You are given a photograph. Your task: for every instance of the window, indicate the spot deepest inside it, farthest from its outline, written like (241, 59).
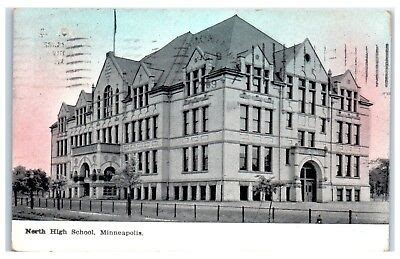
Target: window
(300, 137)
(257, 79)
(133, 132)
(140, 161)
(339, 165)
(203, 79)
(348, 133)
(323, 125)
(340, 132)
(244, 115)
(248, 77)
(302, 90)
(268, 159)
(109, 135)
(117, 101)
(348, 166)
(126, 158)
(147, 121)
(266, 81)
(185, 122)
(357, 135)
(289, 119)
(140, 135)
(98, 107)
(127, 132)
(287, 156)
(205, 119)
(356, 166)
(109, 190)
(135, 98)
(311, 139)
(339, 194)
(185, 159)
(104, 136)
(107, 112)
(243, 157)
(348, 194)
(312, 93)
(355, 100)
(154, 161)
(342, 99)
(205, 157)
(195, 120)
(90, 136)
(289, 87)
(196, 83)
(323, 94)
(268, 121)
(116, 135)
(256, 119)
(140, 96)
(255, 158)
(147, 161)
(146, 95)
(356, 195)
(348, 100)
(187, 84)
(195, 154)
(155, 126)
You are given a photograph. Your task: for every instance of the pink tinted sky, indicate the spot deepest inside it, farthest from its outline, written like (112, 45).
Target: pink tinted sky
(40, 84)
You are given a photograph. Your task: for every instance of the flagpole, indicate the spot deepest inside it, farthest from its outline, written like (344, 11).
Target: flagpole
(115, 29)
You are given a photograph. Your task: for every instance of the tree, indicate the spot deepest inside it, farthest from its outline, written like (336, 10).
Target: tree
(267, 187)
(18, 183)
(127, 177)
(379, 177)
(57, 185)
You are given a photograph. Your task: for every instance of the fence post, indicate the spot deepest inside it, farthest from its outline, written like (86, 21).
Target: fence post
(27, 201)
(101, 206)
(175, 210)
(350, 216)
(112, 207)
(218, 213)
(22, 200)
(46, 202)
(54, 203)
(309, 215)
(90, 205)
(141, 208)
(195, 212)
(273, 214)
(80, 205)
(39, 202)
(157, 210)
(70, 204)
(242, 214)
(62, 203)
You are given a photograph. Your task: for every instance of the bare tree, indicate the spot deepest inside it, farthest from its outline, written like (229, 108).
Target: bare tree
(267, 187)
(127, 177)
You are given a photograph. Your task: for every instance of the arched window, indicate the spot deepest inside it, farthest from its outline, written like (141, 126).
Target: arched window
(116, 101)
(98, 107)
(108, 101)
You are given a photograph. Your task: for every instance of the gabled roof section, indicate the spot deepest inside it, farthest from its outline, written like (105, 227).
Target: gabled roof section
(128, 67)
(68, 109)
(341, 77)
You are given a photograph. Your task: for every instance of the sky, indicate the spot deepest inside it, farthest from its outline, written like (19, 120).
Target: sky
(45, 74)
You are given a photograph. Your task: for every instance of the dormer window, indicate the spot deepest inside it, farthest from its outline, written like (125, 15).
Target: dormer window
(62, 124)
(196, 81)
(107, 101)
(116, 101)
(98, 107)
(80, 116)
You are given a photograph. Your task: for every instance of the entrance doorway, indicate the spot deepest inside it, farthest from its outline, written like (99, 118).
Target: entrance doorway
(86, 189)
(308, 178)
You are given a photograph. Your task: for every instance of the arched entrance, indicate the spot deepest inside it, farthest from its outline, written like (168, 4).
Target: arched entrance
(84, 172)
(108, 173)
(308, 178)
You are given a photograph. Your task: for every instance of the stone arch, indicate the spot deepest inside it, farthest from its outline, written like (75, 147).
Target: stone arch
(317, 164)
(84, 170)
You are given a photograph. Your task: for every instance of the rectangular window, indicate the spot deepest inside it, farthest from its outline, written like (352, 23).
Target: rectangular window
(147, 120)
(300, 138)
(340, 132)
(289, 87)
(268, 159)
(147, 161)
(186, 123)
(356, 166)
(357, 195)
(348, 166)
(195, 154)
(257, 79)
(323, 125)
(339, 165)
(311, 139)
(188, 84)
(323, 94)
(357, 135)
(205, 157)
(203, 79)
(116, 135)
(266, 81)
(196, 84)
(256, 119)
(205, 119)
(127, 132)
(355, 100)
(243, 157)
(348, 133)
(116, 102)
(185, 159)
(195, 120)
(135, 98)
(140, 135)
(289, 119)
(109, 135)
(155, 126)
(287, 156)
(268, 121)
(133, 131)
(90, 136)
(312, 93)
(342, 99)
(104, 136)
(255, 158)
(140, 161)
(154, 161)
(302, 90)
(339, 194)
(348, 100)
(146, 95)
(248, 77)
(244, 116)
(348, 194)
(140, 94)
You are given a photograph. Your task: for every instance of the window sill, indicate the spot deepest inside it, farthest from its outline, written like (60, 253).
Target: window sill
(253, 172)
(347, 177)
(195, 172)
